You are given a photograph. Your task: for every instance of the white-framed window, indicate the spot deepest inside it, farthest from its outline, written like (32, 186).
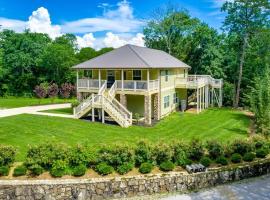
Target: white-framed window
(166, 101)
(175, 98)
(137, 75)
(166, 75)
(88, 73)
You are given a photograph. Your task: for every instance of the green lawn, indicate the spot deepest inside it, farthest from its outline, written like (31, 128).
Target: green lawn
(13, 102)
(221, 124)
(66, 111)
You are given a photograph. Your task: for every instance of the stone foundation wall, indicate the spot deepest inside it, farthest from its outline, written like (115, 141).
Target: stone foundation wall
(126, 186)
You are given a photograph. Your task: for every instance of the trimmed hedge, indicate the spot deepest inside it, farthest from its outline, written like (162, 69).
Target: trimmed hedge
(167, 166)
(236, 158)
(60, 159)
(20, 171)
(104, 169)
(146, 168)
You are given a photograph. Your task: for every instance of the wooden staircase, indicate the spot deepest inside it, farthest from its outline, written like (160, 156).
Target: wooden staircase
(105, 100)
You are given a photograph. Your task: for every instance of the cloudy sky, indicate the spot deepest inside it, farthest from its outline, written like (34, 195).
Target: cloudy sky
(97, 23)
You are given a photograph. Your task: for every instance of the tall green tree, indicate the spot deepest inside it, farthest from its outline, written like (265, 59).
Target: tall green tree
(21, 56)
(244, 19)
(58, 58)
(86, 54)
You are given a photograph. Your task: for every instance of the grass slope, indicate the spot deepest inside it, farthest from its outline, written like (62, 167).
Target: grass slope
(14, 102)
(221, 124)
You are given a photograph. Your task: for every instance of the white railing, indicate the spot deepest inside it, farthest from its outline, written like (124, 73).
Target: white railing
(137, 85)
(103, 88)
(89, 83)
(112, 90)
(198, 81)
(87, 102)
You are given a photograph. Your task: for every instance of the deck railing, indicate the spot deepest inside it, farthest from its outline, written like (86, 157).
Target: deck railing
(198, 81)
(129, 85)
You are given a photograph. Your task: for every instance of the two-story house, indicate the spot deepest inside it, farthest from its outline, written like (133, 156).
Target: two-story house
(138, 81)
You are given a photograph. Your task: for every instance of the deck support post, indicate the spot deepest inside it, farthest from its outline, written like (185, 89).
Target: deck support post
(147, 110)
(220, 97)
(200, 99)
(123, 100)
(203, 89)
(212, 97)
(197, 90)
(93, 114)
(103, 116)
(99, 78)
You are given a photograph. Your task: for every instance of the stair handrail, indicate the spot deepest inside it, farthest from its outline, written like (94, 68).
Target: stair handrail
(83, 104)
(112, 90)
(122, 110)
(103, 88)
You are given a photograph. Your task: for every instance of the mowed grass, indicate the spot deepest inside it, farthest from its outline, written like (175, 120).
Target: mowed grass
(66, 111)
(23, 130)
(13, 102)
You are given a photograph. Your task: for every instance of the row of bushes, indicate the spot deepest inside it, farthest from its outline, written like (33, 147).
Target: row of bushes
(60, 159)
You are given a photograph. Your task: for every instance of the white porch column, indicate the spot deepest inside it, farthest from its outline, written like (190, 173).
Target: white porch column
(99, 78)
(122, 79)
(148, 78)
(77, 79)
(103, 115)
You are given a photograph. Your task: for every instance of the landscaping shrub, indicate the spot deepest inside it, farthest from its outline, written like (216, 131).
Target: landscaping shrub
(205, 161)
(125, 168)
(259, 144)
(196, 150)
(36, 169)
(75, 103)
(236, 158)
(116, 155)
(241, 147)
(162, 152)
(7, 155)
(146, 168)
(104, 169)
(45, 154)
(59, 168)
(4, 170)
(167, 166)
(261, 153)
(215, 149)
(222, 160)
(79, 170)
(248, 157)
(82, 155)
(180, 156)
(20, 171)
(228, 151)
(143, 153)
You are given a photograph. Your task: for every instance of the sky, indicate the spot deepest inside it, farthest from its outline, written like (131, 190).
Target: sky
(97, 23)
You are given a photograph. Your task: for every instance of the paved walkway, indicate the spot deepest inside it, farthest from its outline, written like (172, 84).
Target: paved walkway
(35, 110)
(250, 189)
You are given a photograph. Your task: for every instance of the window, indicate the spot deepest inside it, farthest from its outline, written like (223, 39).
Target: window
(137, 75)
(166, 101)
(175, 98)
(87, 73)
(166, 75)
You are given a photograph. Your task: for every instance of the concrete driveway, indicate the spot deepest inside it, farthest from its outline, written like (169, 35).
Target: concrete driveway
(35, 110)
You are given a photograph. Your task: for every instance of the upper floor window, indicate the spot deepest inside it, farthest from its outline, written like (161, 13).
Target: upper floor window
(166, 101)
(166, 75)
(137, 75)
(88, 73)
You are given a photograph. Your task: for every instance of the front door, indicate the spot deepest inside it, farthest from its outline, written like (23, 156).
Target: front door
(110, 78)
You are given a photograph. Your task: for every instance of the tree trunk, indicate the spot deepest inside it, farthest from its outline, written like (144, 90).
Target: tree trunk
(242, 60)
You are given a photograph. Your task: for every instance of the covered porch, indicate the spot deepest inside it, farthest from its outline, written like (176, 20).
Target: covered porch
(124, 80)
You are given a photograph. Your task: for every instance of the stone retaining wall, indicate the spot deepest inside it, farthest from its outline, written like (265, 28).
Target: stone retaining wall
(101, 188)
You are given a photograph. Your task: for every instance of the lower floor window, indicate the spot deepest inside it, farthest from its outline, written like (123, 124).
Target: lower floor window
(175, 98)
(166, 101)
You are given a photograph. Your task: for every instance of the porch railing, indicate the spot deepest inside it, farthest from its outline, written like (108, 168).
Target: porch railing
(129, 85)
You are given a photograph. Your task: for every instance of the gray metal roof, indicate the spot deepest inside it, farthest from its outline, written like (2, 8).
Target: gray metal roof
(131, 56)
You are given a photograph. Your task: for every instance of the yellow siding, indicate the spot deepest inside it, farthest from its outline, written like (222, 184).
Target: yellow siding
(135, 104)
